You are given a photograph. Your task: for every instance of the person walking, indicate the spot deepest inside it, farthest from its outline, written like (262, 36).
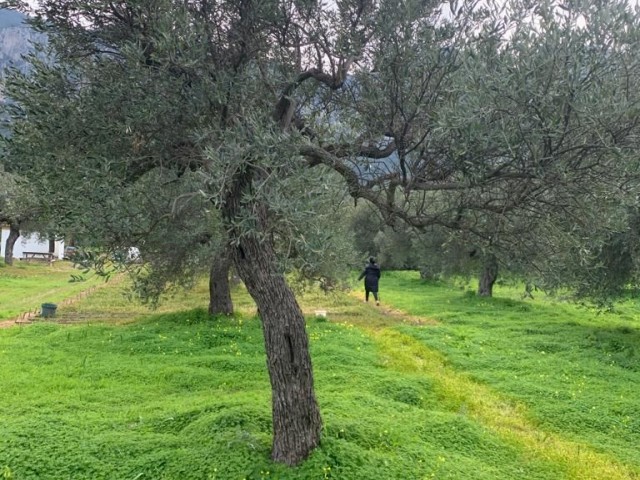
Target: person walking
(371, 275)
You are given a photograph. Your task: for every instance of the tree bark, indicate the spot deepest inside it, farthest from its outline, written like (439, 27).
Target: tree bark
(488, 276)
(14, 234)
(220, 302)
(296, 416)
(295, 413)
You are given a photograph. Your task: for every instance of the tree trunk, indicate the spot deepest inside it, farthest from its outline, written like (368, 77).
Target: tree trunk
(220, 302)
(14, 234)
(296, 416)
(488, 276)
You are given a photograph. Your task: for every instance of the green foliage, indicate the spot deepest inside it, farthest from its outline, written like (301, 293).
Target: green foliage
(365, 222)
(317, 245)
(17, 201)
(153, 174)
(393, 249)
(509, 125)
(603, 266)
(529, 107)
(6, 473)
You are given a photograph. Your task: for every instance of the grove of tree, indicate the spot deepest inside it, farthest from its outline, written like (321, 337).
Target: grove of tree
(512, 125)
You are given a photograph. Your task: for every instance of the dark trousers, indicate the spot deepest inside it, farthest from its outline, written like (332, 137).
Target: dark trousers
(367, 291)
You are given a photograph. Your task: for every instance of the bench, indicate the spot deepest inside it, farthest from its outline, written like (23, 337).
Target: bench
(46, 256)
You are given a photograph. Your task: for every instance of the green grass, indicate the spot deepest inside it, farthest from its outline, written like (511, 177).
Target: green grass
(180, 396)
(575, 370)
(25, 286)
(124, 393)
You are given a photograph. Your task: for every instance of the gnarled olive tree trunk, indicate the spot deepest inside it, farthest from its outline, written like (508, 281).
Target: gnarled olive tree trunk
(220, 302)
(296, 416)
(14, 234)
(488, 276)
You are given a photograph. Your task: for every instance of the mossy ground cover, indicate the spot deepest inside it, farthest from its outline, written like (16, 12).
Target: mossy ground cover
(128, 394)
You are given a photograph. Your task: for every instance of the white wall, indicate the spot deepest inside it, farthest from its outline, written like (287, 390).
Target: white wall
(29, 244)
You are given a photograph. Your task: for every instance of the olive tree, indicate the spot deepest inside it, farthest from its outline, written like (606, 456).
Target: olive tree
(88, 125)
(8, 213)
(513, 138)
(18, 209)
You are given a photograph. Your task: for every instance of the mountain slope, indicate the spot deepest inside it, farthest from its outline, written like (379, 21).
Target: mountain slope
(10, 18)
(16, 40)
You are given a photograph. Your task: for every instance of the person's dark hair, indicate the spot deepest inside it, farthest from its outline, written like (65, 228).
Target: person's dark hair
(372, 260)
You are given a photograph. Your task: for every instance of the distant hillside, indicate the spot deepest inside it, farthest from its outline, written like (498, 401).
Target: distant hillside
(10, 18)
(15, 40)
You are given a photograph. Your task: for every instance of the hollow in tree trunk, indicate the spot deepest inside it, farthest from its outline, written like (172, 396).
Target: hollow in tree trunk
(488, 276)
(220, 302)
(296, 416)
(14, 234)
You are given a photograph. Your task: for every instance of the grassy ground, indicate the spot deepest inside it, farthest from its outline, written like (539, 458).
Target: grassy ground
(570, 372)
(457, 389)
(25, 286)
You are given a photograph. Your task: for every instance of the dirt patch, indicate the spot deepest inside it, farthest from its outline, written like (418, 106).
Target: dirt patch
(403, 317)
(368, 315)
(13, 323)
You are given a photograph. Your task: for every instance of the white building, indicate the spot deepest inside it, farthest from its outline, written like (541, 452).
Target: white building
(30, 243)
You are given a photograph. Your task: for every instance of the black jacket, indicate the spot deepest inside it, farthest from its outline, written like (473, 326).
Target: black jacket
(371, 274)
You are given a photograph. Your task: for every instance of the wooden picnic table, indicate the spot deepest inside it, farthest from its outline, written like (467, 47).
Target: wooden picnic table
(28, 256)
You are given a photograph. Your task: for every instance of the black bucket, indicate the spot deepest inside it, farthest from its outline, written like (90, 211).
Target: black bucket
(48, 310)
